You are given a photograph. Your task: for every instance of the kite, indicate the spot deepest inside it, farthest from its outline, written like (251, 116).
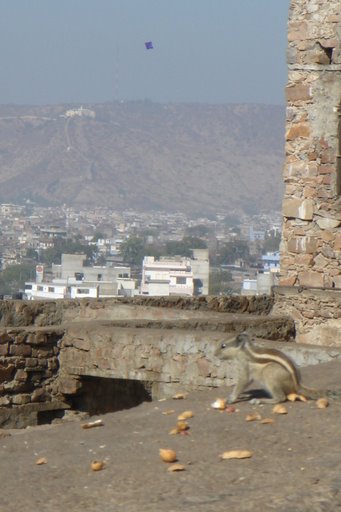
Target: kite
(149, 45)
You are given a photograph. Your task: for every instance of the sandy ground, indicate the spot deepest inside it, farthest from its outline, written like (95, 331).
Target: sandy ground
(295, 464)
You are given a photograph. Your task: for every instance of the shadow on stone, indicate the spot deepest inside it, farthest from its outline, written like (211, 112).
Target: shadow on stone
(98, 395)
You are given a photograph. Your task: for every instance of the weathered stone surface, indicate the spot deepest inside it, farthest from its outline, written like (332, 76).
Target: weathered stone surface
(20, 350)
(327, 223)
(305, 245)
(298, 130)
(312, 146)
(7, 372)
(311, 279)
(337, 281)
(21, 375)
(69, 385)
(21, 399)
(298, 92)
(306, 260)
(337, 242)
(38, 395)
(288, 281)
(298, 208)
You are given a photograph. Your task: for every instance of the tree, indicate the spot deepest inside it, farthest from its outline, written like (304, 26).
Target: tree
(98, 235)
(200, 230)
(220, 282)
(62, 246)
(13, 278)
(133, 251)
(184, 247)
(232, 251)
(271, 242)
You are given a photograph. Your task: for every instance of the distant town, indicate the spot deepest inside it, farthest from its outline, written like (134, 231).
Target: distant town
(64, 252)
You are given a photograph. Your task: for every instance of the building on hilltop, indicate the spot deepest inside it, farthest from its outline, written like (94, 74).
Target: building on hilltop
(80, 112)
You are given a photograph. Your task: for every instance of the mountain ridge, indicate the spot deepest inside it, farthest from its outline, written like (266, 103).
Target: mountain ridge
(193, 158)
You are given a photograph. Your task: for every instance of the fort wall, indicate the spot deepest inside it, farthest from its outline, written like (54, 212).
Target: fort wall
(104, 355)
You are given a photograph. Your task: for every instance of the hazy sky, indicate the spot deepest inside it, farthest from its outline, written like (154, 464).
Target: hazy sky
(88, 51)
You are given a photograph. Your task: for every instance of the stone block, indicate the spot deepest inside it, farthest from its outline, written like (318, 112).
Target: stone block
(297, 31)
(301, 169)
(4, 349)
(4, 338)
(337, 242)
(298, 131)
(321, 261)
(288, 281)
(328, 236)
(298, 92)
(69, 386)
(21, 399)
(5, 400)
(327, 179)
(7, 373)
(20, 350)
(304, 244)
(327, 223)
(305, 260)
(326, 169)
(311, 279)
(328, 156)
(31, 362)
(82, 344)
(21, 375)
(328, 252)
(298, 208)
(337, 281)
(38, 395)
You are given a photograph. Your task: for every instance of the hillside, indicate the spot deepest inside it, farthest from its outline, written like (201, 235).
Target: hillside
(176, 157)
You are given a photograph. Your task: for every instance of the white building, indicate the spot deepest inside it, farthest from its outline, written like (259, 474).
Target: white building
(266, 278)
(72, 279)
(164, 277)
(201, 270)
(176, 275)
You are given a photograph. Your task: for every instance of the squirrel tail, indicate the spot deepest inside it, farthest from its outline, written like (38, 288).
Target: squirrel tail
(315, 394)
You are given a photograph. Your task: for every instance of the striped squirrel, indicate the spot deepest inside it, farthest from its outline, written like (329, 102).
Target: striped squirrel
(274, 370)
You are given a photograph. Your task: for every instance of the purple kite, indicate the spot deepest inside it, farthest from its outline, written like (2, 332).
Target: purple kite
(149, 45)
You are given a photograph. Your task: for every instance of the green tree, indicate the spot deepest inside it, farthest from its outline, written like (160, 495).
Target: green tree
(133, 251)
(98, 235)
(271, 242)
(220, 282)
(232, 251)
(13, 278)
(68, 246)
(184, 246)
(32, 254)
(200, 230)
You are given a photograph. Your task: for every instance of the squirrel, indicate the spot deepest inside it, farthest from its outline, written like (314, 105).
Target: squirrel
(273, 369)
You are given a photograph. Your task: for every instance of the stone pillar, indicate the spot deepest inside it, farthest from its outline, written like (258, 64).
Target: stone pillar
(311, 235)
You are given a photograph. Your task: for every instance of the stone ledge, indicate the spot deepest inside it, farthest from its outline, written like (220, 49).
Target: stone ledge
(24, 415)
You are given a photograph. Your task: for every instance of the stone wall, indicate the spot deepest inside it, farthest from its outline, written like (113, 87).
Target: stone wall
(311, 238)
(29, 366)
(50, 349)
(316, 313)
(100, 355)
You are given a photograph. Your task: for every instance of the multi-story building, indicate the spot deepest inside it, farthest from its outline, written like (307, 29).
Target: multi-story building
(176, 275)
(172, 276)
(73, 279)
